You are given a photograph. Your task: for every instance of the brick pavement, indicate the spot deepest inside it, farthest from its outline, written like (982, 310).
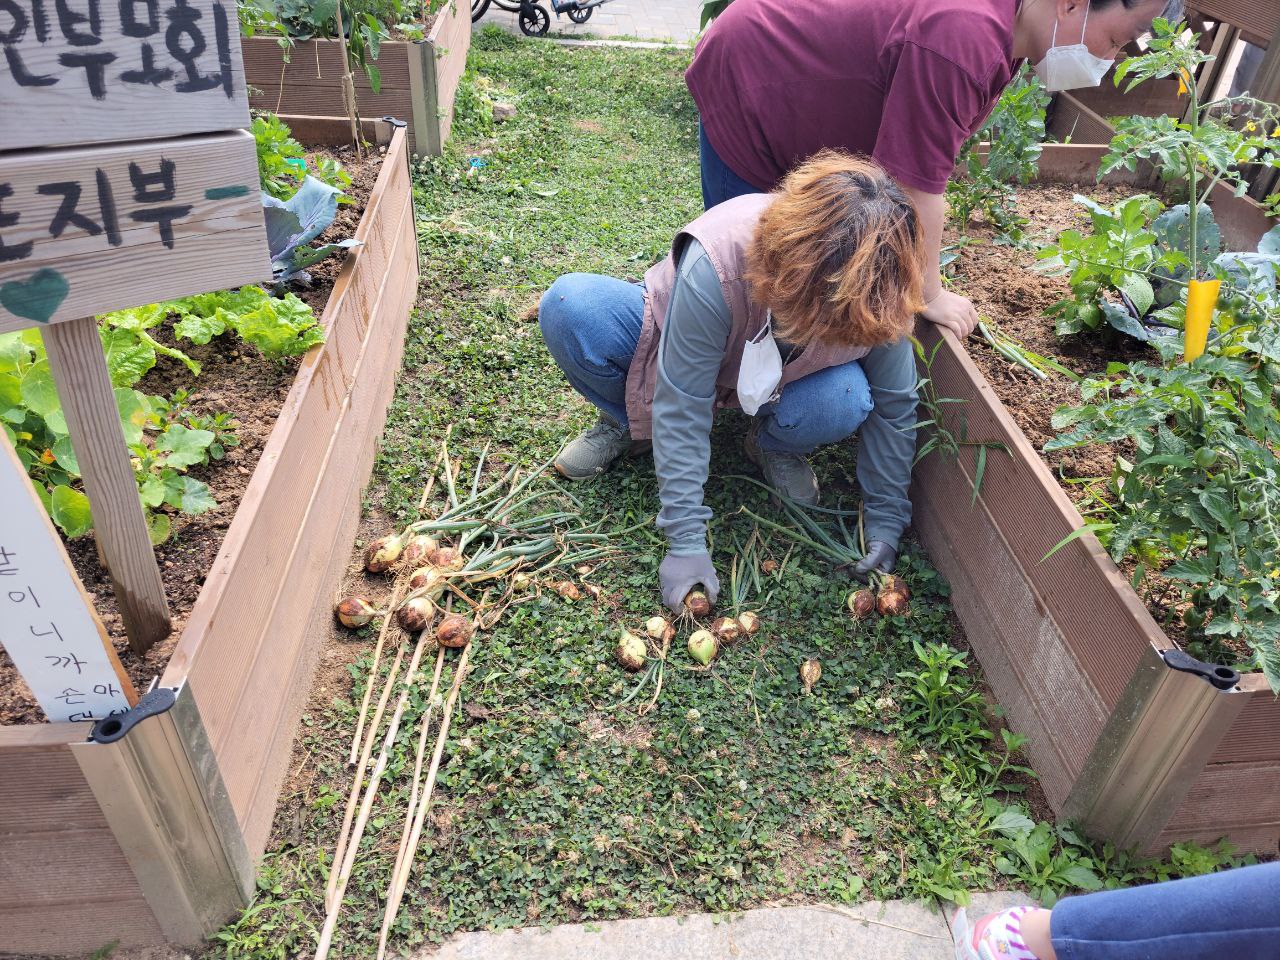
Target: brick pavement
(673, 20)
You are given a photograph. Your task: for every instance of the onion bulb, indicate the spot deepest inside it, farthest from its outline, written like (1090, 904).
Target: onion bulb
(727, 631)
(381, 555)
(810, 671)
(354, 612)
(415, 615)
(657, 627)
(697, 603)
(749, 622)
(893, 599)
(769, 567)
(861, 603)
(446, 557)
(454, 631)
(429, 581)
(703, 646)
(630, 652)
(418, 551)
(567, 589)
(521, 581)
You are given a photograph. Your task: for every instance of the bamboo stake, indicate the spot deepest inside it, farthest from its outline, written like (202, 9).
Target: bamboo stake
(424, 726)
(348, 85)
(400, 878)
(373, 671)
(371, 791)
(357, 778)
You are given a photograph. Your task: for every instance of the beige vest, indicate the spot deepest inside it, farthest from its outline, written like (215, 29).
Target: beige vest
(725, 232)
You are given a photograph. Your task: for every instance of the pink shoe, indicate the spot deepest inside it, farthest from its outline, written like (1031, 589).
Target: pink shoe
(994, 937)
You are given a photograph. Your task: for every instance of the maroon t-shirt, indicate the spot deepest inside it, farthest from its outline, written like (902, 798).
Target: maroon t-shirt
(904, 81)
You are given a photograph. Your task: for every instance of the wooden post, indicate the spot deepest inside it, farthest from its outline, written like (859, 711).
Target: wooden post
(89, 404)
(1266, 86)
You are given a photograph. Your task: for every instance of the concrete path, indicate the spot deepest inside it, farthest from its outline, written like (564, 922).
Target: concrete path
(673, 20)
(898, 930)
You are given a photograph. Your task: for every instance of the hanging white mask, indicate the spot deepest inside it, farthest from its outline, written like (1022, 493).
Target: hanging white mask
(1071, 66)
(761, 369)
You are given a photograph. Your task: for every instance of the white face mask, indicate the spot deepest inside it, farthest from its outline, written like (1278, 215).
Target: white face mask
(1071, 66)
(760, 371)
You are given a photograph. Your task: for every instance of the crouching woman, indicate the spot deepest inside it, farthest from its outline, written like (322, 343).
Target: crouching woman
(793, 305)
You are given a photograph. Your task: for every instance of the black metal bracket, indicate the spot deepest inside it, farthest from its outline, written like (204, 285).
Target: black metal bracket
(395, 123)
(152, 703)
(1224, 678)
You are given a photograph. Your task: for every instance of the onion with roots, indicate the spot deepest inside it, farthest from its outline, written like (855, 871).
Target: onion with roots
(727, 631)
(447, 557)
(894, 598)
(354, 612)
(415, 615)
(810, 672)
(703, 646)
(567, 589)
(521, 581)
(454, 631)
(631, 651)
(417, 551)
(659, 629)
(381, 555)
(429, 581)
(749, 622)
(697, 604)
(861, 603)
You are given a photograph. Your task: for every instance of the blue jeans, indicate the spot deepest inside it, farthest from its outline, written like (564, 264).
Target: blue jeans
(719, 183)
(1233, 915)
(591, 325)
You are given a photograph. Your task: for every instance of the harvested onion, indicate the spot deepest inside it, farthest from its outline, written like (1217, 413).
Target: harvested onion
(417, 551)
(769, 567)
(454, 631)
(727, 631)
(749, 622)
(810, 671)
(567, 589)
(415, 615)
(703, 646)
(630, 652)
(893, 599)
(429, 581)
(381, 555)
(697, 603)
(861, 603)
(658, 627)
(446, 557)
(354, 612)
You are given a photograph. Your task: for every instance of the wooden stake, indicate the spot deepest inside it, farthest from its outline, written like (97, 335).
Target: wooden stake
(348, 85)
(424, 726)
(89, 405)
(334, 908)
(357, 778)
(400, 877)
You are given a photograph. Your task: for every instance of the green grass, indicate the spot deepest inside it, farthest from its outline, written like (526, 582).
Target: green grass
(558, 802)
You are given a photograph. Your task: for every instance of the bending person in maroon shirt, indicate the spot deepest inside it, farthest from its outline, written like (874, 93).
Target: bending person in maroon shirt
(903, 81)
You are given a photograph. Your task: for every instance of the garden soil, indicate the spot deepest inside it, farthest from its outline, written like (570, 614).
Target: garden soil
(234, 379)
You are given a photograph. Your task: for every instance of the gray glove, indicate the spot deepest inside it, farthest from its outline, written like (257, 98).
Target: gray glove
(880, 556)
(679, 574)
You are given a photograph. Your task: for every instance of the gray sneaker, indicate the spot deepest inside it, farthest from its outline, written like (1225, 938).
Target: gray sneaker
(598, 449)
(788, 473)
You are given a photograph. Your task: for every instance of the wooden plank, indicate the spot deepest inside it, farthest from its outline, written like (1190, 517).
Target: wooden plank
(78, 929)
(449, 42)
(1255, 736)
(1258, 20)
(335, 131)
(107, 71)
(285, 527)
(48, 625)
(88, 403)
(307, 61)
(91, 230)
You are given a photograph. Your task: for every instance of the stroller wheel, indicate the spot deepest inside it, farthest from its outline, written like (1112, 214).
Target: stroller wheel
(579, 15)
(534, 19)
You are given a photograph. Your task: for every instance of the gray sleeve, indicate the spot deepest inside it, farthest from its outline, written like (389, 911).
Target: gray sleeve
(888, 446)
(690, 353)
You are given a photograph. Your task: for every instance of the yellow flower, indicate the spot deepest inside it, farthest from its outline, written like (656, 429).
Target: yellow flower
(1250, 126)
(47, 456)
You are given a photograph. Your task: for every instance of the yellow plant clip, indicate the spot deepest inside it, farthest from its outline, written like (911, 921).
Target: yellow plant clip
(1202, 300)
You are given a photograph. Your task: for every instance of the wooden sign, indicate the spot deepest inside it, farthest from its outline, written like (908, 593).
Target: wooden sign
(47, 624)
(90, 71)
(92, 230)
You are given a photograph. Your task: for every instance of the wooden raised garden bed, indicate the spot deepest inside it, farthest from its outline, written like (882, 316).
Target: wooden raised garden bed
(1136, 751)
(419, 78)
(154, 837)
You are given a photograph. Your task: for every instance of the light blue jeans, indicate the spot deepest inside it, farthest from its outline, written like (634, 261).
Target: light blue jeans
(1233, 915)
(591, 325)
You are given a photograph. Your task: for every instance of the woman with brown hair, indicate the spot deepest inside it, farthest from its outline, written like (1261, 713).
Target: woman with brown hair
(794, 306)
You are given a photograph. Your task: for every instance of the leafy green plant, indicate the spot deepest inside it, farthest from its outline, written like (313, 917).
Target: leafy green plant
(283, 164)
(712, 9)
(292, 224)
(278, 326)
(1198, 503)
(1014, 134)
(941, 702)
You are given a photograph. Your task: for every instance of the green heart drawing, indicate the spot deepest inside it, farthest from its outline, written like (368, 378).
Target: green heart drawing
(36, 298)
